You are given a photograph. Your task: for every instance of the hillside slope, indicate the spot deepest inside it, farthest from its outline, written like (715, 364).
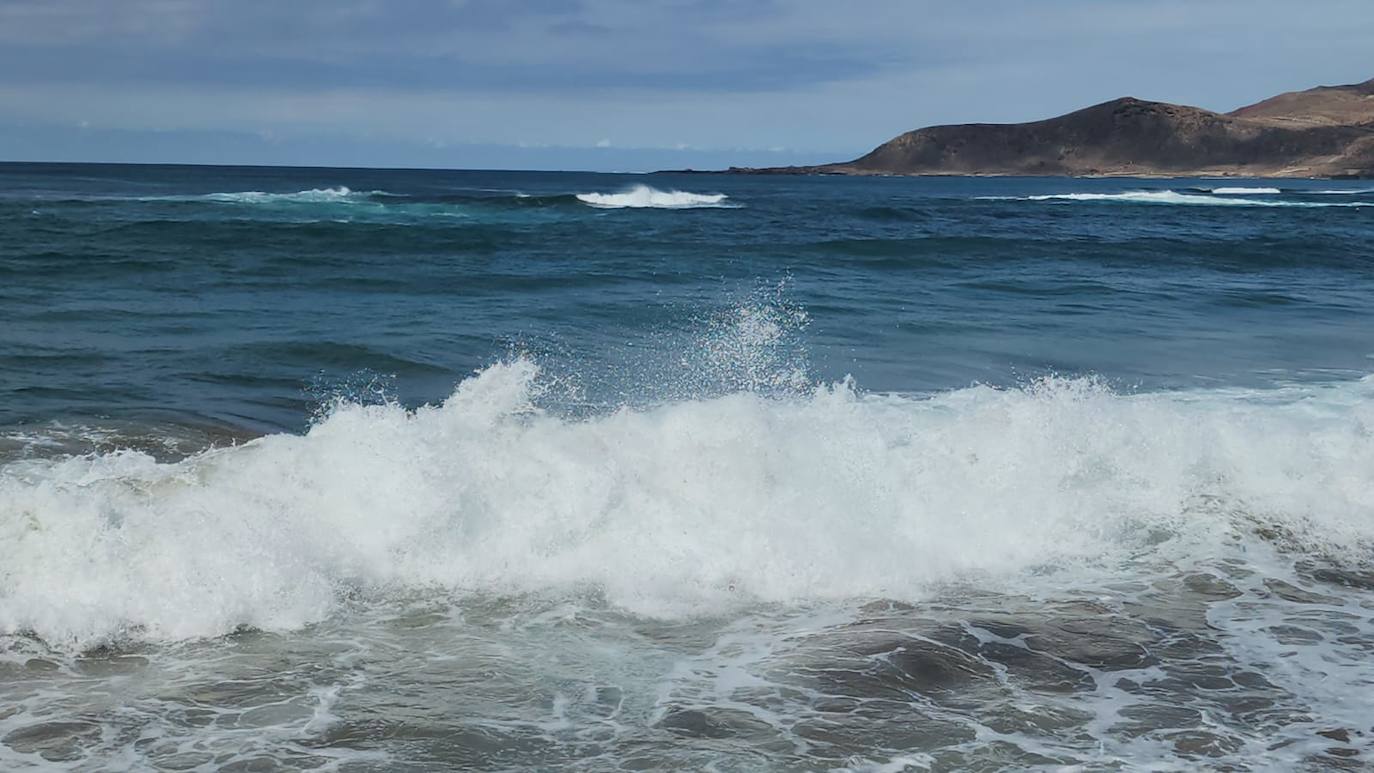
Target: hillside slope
(1321, 132)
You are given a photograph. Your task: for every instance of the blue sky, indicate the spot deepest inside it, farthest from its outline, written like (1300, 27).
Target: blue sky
(619, 84)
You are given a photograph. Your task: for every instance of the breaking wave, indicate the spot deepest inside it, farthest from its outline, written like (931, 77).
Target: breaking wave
(688, 506)
(643, 196)
(1229, 199)
(1241, 191)
(639, 196)
(313, 196)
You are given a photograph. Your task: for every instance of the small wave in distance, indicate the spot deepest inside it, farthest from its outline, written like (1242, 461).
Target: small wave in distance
(1233, 191)
(645, 197)
(311, 196)
(1175, 197)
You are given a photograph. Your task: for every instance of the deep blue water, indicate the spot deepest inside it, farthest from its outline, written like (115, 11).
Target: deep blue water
(131, 292)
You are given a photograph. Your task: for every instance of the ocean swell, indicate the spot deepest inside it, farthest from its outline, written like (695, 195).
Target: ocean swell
(682, 508)
(1238, 190)
(313, 196)
(1228, 198)
(643, 196)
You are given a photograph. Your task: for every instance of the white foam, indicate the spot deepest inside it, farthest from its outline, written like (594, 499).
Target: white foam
(312, 196)
(1149, 197)
(642, 196)
(1174, 197)
(676, 509)
(1243, 191)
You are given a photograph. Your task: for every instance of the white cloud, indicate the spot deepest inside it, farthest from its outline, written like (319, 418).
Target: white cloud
(808, 76)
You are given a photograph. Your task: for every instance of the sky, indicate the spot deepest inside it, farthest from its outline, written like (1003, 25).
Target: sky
(619, 85)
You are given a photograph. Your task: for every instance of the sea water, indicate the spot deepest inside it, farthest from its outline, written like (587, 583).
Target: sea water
(338, 469)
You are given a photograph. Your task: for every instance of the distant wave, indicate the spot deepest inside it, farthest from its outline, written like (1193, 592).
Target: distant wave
(341, 204)
(1152, 197)
(1174, 197)
(1339, 192)
(1241, 191)
(642, 196)
(312, 196)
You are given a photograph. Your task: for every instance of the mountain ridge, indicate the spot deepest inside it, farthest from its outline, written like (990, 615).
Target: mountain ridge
(1327, 131)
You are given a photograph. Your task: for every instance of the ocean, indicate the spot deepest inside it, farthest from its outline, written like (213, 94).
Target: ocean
(399, 470)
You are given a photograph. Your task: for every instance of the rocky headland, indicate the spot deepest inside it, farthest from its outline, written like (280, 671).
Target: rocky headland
(1326, 131)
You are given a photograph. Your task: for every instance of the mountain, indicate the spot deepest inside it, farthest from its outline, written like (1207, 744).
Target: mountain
(1326, 131)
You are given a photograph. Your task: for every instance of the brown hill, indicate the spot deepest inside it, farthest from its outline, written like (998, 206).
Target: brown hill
(1322, 106)
(1323, 132)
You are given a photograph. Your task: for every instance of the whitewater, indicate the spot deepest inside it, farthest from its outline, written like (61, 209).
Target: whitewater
(406, 470)
(686, 508)
(1225, 197)
(799, 511)
(644, 196)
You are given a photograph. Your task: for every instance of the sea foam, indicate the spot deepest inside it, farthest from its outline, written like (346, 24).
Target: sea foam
(1229, 199)
(643, 196)
(686, 507)
(312, 196)
(1228, 191)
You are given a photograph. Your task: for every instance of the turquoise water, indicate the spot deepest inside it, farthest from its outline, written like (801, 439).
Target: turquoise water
(389, 470)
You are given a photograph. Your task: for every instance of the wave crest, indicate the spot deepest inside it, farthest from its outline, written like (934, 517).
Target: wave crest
(643, 196)
(674, 509)
(1235, 190)
(1174, 197)
(312, 196)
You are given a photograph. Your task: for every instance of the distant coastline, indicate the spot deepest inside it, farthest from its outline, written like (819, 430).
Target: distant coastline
(1323, 132)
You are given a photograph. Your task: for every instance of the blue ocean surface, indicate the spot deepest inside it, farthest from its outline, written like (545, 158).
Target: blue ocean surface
(347, 469)
(226, 295)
